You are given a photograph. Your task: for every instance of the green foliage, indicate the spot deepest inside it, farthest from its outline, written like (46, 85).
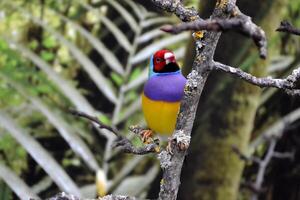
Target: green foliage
(104, 119)
(5, 192)
(118, 80)
(47, 56)
(49, 42)
(135, 74)
(12, 154)
(56, 55)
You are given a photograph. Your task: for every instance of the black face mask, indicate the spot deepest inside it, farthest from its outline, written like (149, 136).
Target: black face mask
(171, 67)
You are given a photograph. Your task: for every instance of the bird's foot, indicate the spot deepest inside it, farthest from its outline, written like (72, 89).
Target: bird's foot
(169, 146)
(146, 136)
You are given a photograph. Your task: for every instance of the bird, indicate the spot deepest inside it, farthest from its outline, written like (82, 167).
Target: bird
(162, 94)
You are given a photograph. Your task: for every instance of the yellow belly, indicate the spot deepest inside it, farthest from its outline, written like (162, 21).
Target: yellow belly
(160, 115)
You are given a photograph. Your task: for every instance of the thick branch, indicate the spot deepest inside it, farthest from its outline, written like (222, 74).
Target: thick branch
(288, 84)
(240, 23)
(126, 146)
(287, 27)
(176, 7)
(172, 163)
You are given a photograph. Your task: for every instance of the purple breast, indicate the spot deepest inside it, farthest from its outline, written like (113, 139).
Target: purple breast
(165, 88)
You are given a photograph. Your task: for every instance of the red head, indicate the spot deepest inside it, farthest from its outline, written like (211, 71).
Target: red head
(164, 61)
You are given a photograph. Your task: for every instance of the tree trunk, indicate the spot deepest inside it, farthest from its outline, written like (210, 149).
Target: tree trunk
(226, 114)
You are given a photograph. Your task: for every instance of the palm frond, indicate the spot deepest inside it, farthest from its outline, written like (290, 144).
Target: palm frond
(40, 155)
(66, 131)
(22, 190)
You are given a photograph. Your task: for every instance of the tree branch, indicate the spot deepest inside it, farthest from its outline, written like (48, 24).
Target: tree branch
(176, 7)
(125, 146)
(288, 84)
(64, 196)
(172, 163)
(287, 27)
(244, 157)
(122, 142)
(240, 23)
(95, 120)
(277, 129)
(257, 186)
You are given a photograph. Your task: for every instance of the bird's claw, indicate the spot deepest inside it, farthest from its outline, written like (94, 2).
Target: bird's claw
(169, 146)
(146, 136)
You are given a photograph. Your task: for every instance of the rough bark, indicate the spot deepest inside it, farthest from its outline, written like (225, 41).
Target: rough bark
(196, 81)
(225, 118)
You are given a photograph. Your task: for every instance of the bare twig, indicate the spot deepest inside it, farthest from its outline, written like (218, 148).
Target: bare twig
(122, 142)
(95, 120)
(250, 186)
(287, 27)
(244, 157)
(240, 23)
(257, 186)
(284, 155)
(277, 129)
(288, 84)
(262, 168)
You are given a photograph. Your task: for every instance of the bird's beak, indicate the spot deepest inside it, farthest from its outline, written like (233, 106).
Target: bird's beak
(169, 58)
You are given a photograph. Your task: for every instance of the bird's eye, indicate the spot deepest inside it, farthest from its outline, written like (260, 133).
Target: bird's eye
(158, 60)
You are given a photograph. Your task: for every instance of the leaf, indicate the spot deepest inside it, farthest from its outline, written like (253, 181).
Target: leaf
(20, 188)
(132, 108)
(157, 20)
(138, 9)
(40, 155)
(135, 185)
(66, 88)
(125, 14)
(127, 169)
(86, 63)
(33, 44)
(49, 42)
(5, 192)
(135, 74)
(138, 81)
(15, 156)
(147, 51)
(150, 35)
(88, 191)
(119, 35)
(116, 78)
(110, 59)
(280, 64)
(47, 56)
(131, 96)
(104, 119)
(66, 131)
(42, 185)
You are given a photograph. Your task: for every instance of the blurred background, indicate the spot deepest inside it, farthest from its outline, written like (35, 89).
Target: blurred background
(92, 55)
